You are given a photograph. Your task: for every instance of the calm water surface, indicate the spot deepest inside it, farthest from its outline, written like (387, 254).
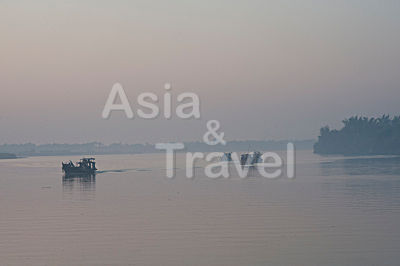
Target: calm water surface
(337, 211)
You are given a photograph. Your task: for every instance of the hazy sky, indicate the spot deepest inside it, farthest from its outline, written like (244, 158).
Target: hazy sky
(265, 69)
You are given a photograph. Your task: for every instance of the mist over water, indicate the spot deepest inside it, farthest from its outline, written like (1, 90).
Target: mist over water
(291, 68)
(337, 211)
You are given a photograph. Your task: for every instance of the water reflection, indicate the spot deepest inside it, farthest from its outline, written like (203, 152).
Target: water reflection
(362, 166)
(364, 182)
(79, 186)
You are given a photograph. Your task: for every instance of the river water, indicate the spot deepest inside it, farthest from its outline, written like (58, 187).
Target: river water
(336, 211)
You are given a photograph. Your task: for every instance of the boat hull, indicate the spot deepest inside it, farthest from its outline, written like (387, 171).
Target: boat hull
(79, 171)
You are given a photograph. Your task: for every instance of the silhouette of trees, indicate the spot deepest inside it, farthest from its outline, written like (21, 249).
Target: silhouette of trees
(361, 136)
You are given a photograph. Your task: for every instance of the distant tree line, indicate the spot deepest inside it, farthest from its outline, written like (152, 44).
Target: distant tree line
(361, 136)
(94, 148)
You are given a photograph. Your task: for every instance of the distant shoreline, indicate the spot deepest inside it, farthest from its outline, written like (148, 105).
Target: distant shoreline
(97, 148)
(361, 136)
(4, 156)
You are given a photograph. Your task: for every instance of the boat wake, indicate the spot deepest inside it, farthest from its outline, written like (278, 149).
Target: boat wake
(124, 170)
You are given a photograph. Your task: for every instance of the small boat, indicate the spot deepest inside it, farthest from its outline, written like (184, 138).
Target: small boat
(256, 157)
(251, 158)
(86, 166)
(227, 157)
(244, 159)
